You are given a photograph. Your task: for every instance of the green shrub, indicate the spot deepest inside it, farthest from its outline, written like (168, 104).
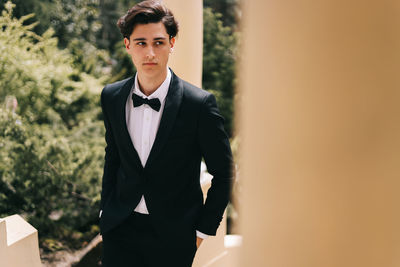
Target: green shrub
(51, 145)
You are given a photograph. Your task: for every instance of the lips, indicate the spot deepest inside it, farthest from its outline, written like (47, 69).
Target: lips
(150, 64)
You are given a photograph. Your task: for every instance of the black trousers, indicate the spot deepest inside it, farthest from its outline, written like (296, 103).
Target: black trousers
(135, 243)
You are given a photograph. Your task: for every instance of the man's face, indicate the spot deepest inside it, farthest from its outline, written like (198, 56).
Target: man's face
(149, 46)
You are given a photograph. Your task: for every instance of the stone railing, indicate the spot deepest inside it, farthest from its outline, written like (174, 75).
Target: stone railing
(19, 246)
(221, 250)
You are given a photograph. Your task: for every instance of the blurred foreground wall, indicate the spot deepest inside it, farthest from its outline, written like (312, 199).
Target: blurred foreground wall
(320, 125)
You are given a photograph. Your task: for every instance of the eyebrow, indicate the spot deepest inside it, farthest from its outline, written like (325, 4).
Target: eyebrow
(144, 39)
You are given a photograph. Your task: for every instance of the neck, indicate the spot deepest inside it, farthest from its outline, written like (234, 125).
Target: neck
(149, 84)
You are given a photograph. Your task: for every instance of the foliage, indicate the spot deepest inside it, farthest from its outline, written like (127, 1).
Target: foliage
(52, 153)
(87, 28)
(228, 8)
(219, 57)
(233, 211)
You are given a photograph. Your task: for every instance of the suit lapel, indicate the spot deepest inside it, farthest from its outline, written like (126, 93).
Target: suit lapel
(126, 138)
(172, 104)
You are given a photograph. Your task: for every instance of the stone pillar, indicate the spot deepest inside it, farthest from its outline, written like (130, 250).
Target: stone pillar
(319, 120)
(187, 58)
(19, 245)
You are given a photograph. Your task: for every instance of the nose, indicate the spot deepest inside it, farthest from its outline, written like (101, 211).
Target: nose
(150, 53)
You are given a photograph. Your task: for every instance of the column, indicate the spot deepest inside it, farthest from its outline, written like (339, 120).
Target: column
(319, 120)
(187, 58)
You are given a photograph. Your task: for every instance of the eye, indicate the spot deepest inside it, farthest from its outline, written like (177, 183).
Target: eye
(159, 43)
(140, 43)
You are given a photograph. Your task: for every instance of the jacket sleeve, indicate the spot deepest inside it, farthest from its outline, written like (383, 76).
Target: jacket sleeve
(112, 160)
(216, 151)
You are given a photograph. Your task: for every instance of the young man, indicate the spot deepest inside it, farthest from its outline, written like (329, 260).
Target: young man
(158, 128)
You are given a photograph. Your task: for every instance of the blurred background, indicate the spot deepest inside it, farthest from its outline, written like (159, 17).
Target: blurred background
(55, 58)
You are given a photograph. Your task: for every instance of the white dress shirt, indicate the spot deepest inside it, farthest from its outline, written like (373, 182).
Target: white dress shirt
(142, 123)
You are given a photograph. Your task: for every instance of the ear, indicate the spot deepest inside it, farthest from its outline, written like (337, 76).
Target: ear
(126, 42)
(172, 42)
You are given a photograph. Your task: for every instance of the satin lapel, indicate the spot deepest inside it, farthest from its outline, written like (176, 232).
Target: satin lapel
(172, 104)
(126, 138)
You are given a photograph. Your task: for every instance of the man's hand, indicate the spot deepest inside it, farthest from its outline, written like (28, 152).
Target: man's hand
(198, 241)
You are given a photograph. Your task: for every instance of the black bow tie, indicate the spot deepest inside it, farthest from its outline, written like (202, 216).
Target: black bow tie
(154, 103)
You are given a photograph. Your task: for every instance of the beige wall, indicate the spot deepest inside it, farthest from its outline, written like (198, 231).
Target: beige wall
(320, 126)
(186, 59)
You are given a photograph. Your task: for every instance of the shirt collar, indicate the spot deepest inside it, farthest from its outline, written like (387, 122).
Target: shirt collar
(160, 92)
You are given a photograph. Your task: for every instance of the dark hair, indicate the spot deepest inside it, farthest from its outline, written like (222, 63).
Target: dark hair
(149, 11)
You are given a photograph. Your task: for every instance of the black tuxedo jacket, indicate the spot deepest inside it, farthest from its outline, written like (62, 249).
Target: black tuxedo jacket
(191, 127)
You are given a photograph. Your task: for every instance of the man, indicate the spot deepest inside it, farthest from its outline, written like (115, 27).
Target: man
(158, 128)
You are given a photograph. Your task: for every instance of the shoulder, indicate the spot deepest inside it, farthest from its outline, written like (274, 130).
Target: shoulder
(113, 89)
(195, 94)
